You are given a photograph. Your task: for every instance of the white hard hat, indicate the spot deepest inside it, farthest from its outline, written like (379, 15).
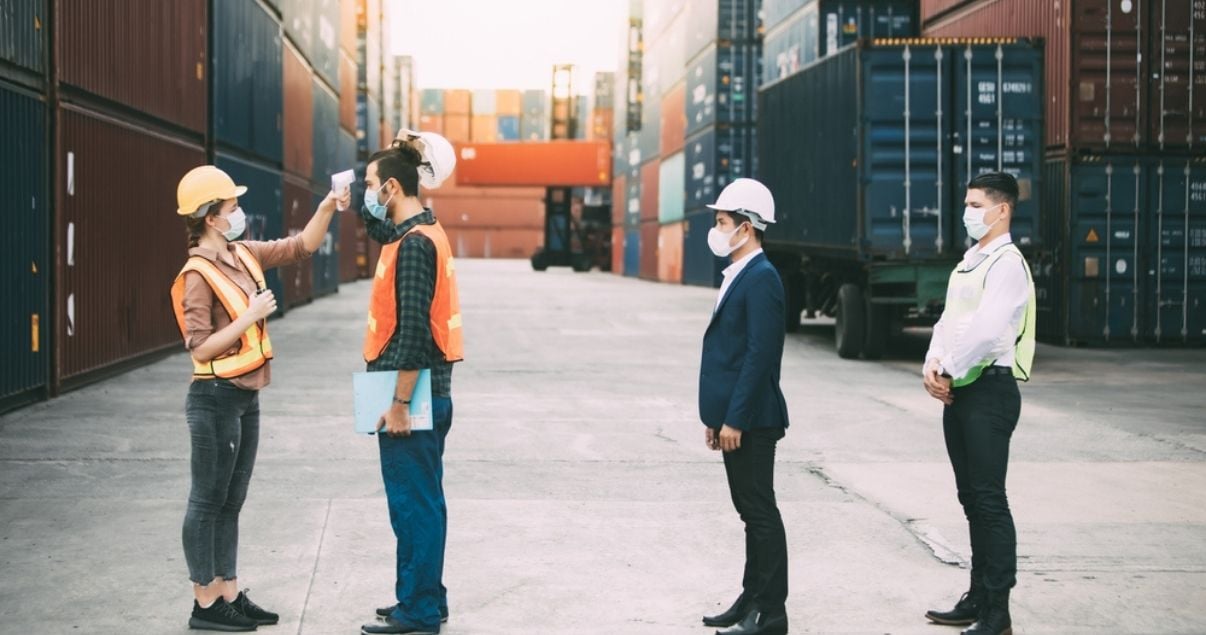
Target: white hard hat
(439, 159)
(748, 198)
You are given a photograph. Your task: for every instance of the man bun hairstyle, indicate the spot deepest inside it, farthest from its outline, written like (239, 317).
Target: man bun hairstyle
(999, 187)
(400, 161)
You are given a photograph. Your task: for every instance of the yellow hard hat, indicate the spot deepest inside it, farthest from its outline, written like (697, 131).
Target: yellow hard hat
(202, 186)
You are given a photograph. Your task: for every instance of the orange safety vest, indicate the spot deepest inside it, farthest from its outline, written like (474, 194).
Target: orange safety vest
(445, 304)
(255, 349)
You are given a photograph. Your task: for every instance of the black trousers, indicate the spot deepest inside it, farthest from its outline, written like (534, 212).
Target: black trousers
(978, 427)
(751, 473)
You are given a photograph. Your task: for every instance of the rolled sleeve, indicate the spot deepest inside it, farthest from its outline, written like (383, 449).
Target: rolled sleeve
(278, 253)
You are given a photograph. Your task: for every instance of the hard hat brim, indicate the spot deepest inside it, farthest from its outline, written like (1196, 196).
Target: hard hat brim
(239, 190)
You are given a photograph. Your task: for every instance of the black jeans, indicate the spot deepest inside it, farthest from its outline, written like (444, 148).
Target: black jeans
(224, 422)
(751, 473)
(978, 426)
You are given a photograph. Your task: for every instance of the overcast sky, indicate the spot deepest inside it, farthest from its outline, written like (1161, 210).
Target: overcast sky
(506, 43)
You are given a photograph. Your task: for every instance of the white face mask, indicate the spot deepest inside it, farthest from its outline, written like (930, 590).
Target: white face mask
(718, 242)
(973, 221)
(238, 224)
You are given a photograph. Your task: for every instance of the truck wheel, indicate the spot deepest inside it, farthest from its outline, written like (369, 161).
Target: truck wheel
(582, 263)
(877, 331)
(539, 262)
(850, 329)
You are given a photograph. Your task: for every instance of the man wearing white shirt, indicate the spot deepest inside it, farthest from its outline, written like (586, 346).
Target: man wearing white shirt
(981, 347)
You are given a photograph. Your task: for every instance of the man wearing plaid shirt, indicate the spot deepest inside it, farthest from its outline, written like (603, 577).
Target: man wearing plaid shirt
(417, 259)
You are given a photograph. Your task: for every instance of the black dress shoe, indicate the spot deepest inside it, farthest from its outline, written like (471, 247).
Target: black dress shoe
(390, 626)
(966, 611)
(759, 623)
(219, 616)
(387, 611)
(729, 617)
(253, 611)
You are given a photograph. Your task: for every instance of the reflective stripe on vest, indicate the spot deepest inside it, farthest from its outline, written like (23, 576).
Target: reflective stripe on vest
(965, 292)
(255, 348)
(445, 303)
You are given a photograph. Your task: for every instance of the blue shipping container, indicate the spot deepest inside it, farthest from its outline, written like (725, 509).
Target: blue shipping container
(25, 286)
(726, 20)
(326, 259)
(822, 27)
(776, 11)
(326, 135)
(23, 34)
(720, 86)
(431, 102)
(314, 25)
(632, 198)
(263, 206)
(632, 253)
(247, 79)
(508, 128)
(714, 158)
(368, 126)
(700, 267)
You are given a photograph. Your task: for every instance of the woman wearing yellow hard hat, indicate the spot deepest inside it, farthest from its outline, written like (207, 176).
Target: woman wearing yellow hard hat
(221, 305)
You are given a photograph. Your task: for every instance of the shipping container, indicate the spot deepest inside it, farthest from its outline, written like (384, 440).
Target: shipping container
(349, 27)
(263, 206)
(605, 90)
(161, 76)
(247, 85)
(666, 56)
(776, 11)
(368, 126)
(113, 304)
(508, 128)
(298, 114)
(347, 92)
(670, 253)
(721, 84)
(714, 157)
(474, 242)
(602, 124)
(535, 103)
(619, 202)
(617, 251)
(353, 253)
(534, 128)
(1127, 263)
(1179, 66)
(549, 164)
(650, 173)
(369, 46)
(25, 323)
(649, 138)
(326, 135)
(723, 20)
(485, 102)
(701, 267)
(298, 278)
(23, 41)
(632, 200)
(457, 128)
(671, 189)
(431, 123)
(673, 124)
(508, 102)
(484, 129)
(432, 101)
(582, 116)
(486, 210)
(822, 27)
(314, 25)
(632, 252)
(649, 250)
(325, 261)
(658, 15)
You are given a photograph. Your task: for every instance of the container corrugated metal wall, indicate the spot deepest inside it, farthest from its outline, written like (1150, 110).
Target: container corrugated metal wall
(247, 85)
(673, 113)
(619, 201)
(670, 253)
(823, 27)
(714, 157)
(632, 252)
(484, 102)
(617, 250)
(101, 49)
(671, 188)
(326, 260)
(721, 85)
(25, 324)
(23, 34)
(700, 267)
(326, 135)
(508, 128)
(368, 126)
(432, 101)
(710, 20)
(298, 278)
(1179, 95)
(649, 247)
(262, 205)
(650, 173)
(298, 114)
(114, 304)
(314, 25)
(347, 91)
(509, 102)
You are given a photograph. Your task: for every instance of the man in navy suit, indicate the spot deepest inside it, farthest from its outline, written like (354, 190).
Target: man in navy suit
(740, 402)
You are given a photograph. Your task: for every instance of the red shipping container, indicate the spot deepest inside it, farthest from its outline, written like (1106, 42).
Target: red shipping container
(431, 123)
(348, 25)
(298, 278)
(347, 92)
(114, 303)
(297, 114)
(649, 189)
(103, 48)
(670, 253)
(617, 251)
(619, 202)
(536, 164)
(458, 102)
(487, 212)
(673, 120)
(1179, 63)
(457, 130)
(351, 245)
(649, 260)
(508, 102)
(451, 188)
(471, 242)
(484, 129)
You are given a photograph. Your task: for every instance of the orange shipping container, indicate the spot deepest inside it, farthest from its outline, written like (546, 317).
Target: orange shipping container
(617, 251)
(347, 92)
(619, 199)
(536, 164)
(297, 278)
(508, 102)
(485, 129)
(650, 173)
(487, 212)
(470, 242)
(431, 123)
(649, 260)
(347, 25)
(456, 130)
(673, 120)
(670, 253)
(458, 102)
(297, 116)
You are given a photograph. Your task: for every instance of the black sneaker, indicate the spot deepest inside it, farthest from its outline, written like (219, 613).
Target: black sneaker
(386, 611)
(220, 616)
(244, 605)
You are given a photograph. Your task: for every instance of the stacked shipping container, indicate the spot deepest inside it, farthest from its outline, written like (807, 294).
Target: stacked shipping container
(1124, 225)
(626, 154)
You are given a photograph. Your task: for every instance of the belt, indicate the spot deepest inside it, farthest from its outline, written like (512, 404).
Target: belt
(997, 370)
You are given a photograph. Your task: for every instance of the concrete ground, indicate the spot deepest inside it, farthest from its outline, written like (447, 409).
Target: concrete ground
(582, 498)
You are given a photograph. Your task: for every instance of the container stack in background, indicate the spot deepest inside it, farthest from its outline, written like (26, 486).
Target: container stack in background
(1124, 183)
(626, 155)
(353, 247)
(799, 32)
(534, 117)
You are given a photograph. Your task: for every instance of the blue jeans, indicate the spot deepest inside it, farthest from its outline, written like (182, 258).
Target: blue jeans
(224, 423)
(413, 470)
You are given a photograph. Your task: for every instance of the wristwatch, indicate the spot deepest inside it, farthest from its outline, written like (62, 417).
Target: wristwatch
(401, 401)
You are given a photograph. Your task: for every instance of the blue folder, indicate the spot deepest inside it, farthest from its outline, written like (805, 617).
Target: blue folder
(373, 394)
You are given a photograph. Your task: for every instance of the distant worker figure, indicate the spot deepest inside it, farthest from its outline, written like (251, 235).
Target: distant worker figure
(221, 305)
(981, 347)
(741, 404)
(414, 324)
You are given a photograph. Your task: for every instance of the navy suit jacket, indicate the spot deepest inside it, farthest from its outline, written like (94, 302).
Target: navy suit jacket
(743, 353)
